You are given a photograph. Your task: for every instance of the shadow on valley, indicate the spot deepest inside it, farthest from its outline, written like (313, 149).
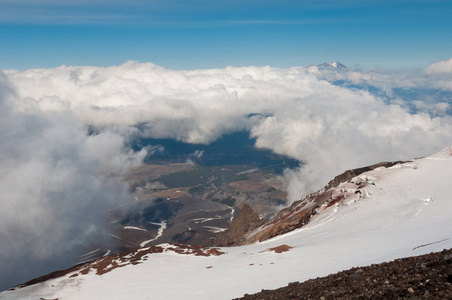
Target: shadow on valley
(231, 149)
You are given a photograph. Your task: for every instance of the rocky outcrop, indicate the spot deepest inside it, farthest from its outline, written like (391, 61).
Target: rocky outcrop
(349, 174)
(246, 221)
(422, 277)
(108, 263)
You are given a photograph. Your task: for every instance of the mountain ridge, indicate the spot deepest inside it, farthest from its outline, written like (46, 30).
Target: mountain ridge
(300, 212)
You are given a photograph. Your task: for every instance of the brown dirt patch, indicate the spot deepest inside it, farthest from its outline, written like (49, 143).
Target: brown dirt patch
(249, 186)
(280, 248)
(109, 263)
(175, 193)
(155, 171)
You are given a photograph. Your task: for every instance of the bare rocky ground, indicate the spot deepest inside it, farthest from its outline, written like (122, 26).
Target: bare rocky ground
(422, 277)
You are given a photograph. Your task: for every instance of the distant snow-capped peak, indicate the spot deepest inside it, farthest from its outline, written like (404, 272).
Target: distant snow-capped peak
(336, 65)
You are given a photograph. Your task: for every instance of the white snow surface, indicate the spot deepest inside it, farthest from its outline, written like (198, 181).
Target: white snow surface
(408, 212)
(134, 228)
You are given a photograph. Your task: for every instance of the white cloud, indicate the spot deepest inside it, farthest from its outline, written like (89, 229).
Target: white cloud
(443, 66)
(440, 74)
(57, 183)
(376, 78)
(434, 109)
(198, 154)
(437, 75)
(295, 113)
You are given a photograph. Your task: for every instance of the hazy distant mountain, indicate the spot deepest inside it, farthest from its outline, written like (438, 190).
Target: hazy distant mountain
(335, 65)
(362, 217)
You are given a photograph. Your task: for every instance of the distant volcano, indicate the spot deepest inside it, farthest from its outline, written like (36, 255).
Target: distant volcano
(335, 65)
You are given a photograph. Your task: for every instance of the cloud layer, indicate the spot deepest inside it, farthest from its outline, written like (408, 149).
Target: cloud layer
(54, 174)
(436, 75)
(291, 111)
(56, 182)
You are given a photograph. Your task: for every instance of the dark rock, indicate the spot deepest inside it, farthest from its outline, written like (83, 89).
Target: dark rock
(246, 220)
(421, 278)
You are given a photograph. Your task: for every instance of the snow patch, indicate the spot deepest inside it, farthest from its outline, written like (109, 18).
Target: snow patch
(408, 165)
(134, 228)
(159, 233)
(215, 229)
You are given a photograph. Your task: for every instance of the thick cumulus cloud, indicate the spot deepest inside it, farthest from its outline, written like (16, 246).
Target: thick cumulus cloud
(295, 111)
(56, 184)
(443, 66)
(441, 73)
(330, 136)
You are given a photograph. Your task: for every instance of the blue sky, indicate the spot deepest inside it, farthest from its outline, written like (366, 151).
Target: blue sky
(208, 34)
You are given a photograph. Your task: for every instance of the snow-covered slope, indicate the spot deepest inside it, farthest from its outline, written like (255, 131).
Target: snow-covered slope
(406, 211)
